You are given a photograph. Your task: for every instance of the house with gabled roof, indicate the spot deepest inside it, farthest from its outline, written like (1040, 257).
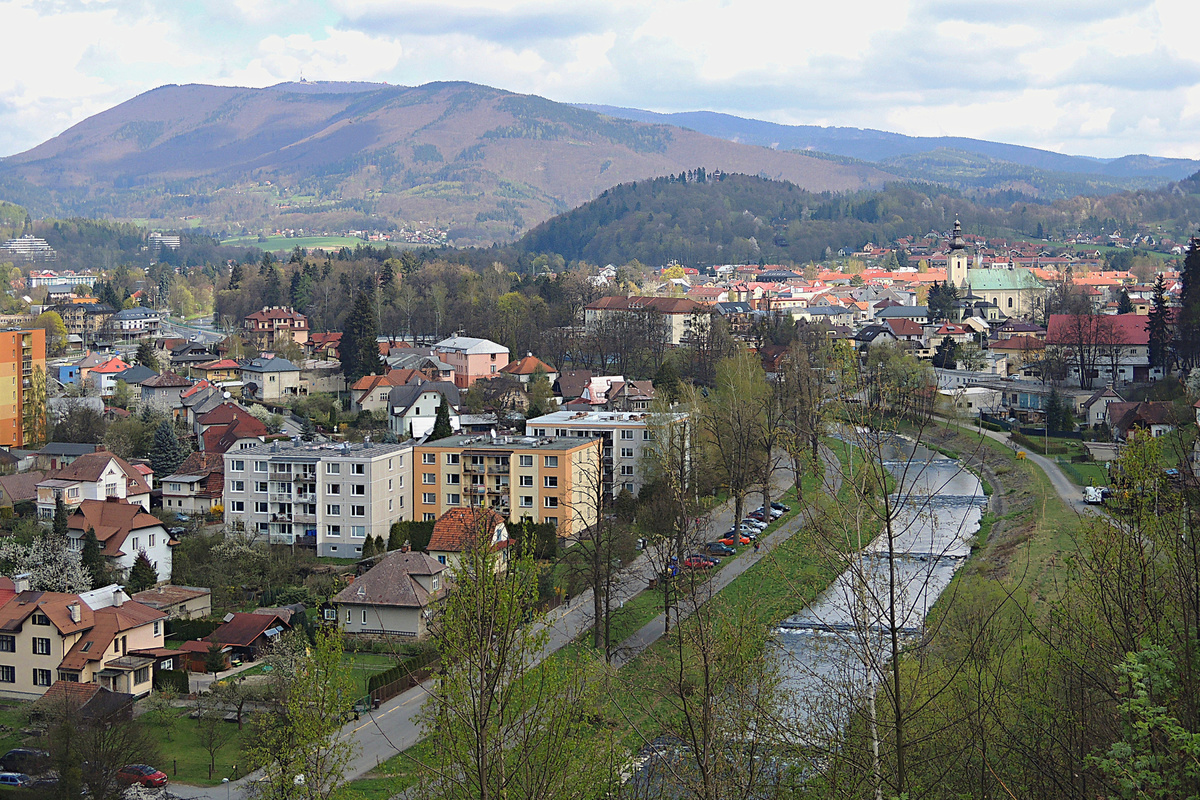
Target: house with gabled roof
(162, 392)
(413, 408)
(393, 598)
(103, 376)
(370, 392)
(270, 379)
(525, 368)
(1095, 408)
(93, 476)
(197, 485)
(124, 530)
(242, 635)
(454, 531)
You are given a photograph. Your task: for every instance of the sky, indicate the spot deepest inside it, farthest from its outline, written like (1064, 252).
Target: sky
(1088, 77)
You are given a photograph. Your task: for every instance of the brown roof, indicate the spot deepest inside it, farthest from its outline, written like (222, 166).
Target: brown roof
(276, 314)
(572, 383)
(112, 520)
(455, 529)
(1019, 343)
(663, 305)
(55, 605)
(22, 486)
(169, 595)
(219, 438)
(243, 629)
(90, 466)
(526, 366)
(108, 622)
(210, 464)
(223, 414)
(394, 377)
(391, 582)
(167, 380)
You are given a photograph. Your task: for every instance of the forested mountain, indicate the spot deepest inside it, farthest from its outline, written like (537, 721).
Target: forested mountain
(490, 163)
(1044, 172)
(701, 219)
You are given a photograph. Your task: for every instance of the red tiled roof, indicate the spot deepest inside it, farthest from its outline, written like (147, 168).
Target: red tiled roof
(114, 364)
(112, 520)
(526, 366)
(219, 438)
(90, 466)
(663, 305)
(243, 629)
(454, 529)
(1124, 329)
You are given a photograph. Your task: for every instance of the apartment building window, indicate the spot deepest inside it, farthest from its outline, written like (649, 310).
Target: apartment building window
(151, 542)
(358, 469)
(453, 499)
(428, 458)
(430, 517)
(358, 531)
(526, 501)
(550, 482)
(237, 486)
(41, 646)
(333, 488)
(39, 618)
(452, 458)
(358, 511)
(333, 469)
(238, 506)
(626, 433)
(42, 677)
(260, 466)
(8, 674)
(551, 461)
(333, 530)
(627, 469)
(260, 487)
(428, 498)
(429, 478)
(8, 644)
(626, 452)
(551, 521)
(525, 461)
(648, 436)
(259, 508)
(525, 480)
(237, 465)
(334, 509)
(550, 502)
(358, 490)
(629, 487)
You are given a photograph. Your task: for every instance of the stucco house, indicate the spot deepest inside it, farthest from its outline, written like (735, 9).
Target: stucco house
(93, 476)
(123, 529)
(393, 598)
(270, 379)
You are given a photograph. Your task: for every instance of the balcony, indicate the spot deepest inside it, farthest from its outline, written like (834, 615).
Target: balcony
(280, 497)
(501, 469)
(477, 490)
(474, 469)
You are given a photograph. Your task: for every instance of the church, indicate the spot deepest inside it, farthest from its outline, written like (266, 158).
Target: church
(1015, 292)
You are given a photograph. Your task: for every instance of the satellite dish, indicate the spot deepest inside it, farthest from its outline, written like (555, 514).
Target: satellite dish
(228, 618)
(226, 395)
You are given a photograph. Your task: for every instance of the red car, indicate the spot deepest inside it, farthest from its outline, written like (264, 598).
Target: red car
(697, 562)
(730, 541)
(143, 775)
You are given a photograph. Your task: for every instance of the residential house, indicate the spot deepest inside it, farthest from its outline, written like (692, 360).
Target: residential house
(95, 476)
(370, 392)
(229, 427)
(272, 323)
(56, 455)
(186, 355)
(680, 318)
(270, 379)
(429, 366)
(394, 598)
(1111, 348)
(177, 602)
(1096, 407)
(162, 392)
(1124, 419)
(413, 408)
(78, 638)
(19, 488)
(88, 702)
(218, 371)
(526, 368)
(459, 528)
(103, 376)
(325, 345)
(198, 484)
(630, 396)
(247, 636)
(132, 324)
(123, 529)
(471, 358)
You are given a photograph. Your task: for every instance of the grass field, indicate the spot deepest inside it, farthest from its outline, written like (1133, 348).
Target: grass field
(278, 243)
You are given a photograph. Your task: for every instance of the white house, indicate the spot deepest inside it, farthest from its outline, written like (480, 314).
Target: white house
(123, 530)
(93, 476)
(412, 408)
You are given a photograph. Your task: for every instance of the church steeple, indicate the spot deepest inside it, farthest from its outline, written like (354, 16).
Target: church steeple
(956, 266)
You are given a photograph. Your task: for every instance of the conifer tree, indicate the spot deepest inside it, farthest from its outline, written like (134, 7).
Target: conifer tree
(92, 559)
(441, 425)
(60, 518)
(236, 276)
(360, 346)
(142, 575)
(168, 453)
(1187, 332)
(1124, 304)
(1158, 325)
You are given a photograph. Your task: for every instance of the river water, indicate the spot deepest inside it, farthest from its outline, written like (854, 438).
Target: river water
(836, 648)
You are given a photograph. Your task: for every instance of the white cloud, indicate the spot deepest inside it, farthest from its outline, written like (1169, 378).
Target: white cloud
(334, 56)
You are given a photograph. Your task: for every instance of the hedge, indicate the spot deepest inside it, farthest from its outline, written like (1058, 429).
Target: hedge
(171, 680)
(1037, 446)
(401, 670)
(188, 629)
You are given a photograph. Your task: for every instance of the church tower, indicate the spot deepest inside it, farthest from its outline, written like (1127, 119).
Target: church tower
(956, 268)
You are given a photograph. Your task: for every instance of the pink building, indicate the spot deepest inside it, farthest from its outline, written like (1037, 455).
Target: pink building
(471, 358)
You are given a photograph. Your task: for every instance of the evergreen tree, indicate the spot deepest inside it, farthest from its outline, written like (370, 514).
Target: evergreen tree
(941, 300)
(167, 453)
(368, 547)
(142, 575)
(1187, 331)
(146, 355)
(60, 518)
(236, 276)
(441, 425)
(93, 561)
(308, 430)
(396, 536)
(214, 659)
(1159, 325)
(945, 357)
(360, 346)
(1124, 304)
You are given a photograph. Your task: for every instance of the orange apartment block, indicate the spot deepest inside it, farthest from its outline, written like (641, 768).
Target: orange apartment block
(21, 351)
(547, 479)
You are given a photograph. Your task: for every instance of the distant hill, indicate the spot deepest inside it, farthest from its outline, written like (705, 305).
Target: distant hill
(738, 219)
(895, 150)
(488, 162)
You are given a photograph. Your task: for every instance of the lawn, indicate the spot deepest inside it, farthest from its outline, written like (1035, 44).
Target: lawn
(12, 720)
(278, 243)
(185, 759)
(361, 665)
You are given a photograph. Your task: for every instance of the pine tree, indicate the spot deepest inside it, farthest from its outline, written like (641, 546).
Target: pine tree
(441, 425)
(368, 547)
(1158, 324)
(236, 276)
(60, 518)
(146, 355)
(308, 430)
(945, 357)
(1187, 331)
(93, 561)
(142, 575)
(214, 659)
(168, 453)
(360, 346)
(1124, 304)
(396, 536)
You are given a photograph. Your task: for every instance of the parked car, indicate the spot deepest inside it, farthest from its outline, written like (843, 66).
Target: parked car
(781, 507)
(757, 515)
(729, 539)
(177, 531)
(16, 779)
(25, 759)
(143, 775)
(775, 512)
(757, 524)
(718, 549)
(697, 562)
(749, 532)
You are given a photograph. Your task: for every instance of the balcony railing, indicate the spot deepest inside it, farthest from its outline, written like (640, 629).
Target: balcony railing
(498, 470)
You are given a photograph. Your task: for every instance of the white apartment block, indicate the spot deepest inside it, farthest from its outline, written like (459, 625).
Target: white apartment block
(329, 497)
(627, 438)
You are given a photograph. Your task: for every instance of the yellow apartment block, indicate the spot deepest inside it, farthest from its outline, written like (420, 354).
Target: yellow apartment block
(20, 352)
(547, 479)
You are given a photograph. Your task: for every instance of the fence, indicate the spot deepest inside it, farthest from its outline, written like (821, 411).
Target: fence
(389, 683)
(1037, 446)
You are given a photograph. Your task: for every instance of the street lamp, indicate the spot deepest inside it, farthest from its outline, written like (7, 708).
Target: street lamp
(226, 782)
